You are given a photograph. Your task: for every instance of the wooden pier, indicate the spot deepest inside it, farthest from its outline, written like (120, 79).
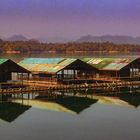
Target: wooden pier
(30, 87)
(22, 90)
(37, 86)
(54, 85)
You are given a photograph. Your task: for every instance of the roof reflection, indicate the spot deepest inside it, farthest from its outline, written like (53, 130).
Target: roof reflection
(131, 99)
(10, 111)
(74, 103)
(68, 104)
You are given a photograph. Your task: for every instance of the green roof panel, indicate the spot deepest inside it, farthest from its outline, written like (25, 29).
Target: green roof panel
(41, 60)
(3, 60)
(46, 65)
(109, 63)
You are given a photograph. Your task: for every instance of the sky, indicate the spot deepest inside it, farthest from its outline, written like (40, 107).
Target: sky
(69, 18)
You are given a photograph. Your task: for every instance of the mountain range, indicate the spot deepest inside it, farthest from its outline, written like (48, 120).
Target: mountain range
(16, 38)
(122, 39)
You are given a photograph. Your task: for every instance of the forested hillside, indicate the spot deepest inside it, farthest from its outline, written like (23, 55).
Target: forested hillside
(33, 46)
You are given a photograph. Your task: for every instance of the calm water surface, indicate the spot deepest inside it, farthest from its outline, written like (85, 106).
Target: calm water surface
(73, 117)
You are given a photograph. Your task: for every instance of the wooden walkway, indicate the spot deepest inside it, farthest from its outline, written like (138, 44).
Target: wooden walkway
(94, 85)
(21, 90)
(38, 87)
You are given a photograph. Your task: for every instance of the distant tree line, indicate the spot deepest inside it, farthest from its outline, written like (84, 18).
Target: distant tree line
(33, 46)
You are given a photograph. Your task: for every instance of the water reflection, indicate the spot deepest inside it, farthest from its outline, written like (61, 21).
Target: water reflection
(68, 104)
(131, 99)
(74, 102)
(127, 97)
(10, 111)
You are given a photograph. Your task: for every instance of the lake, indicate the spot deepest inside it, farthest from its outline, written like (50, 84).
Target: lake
(72, 115)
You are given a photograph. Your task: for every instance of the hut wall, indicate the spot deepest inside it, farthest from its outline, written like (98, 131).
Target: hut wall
(128, 71)
(4, 77)
(124, 73)
(115, 74)
(79, 69)
(131, 70)
(76, 72)
(107, 74)
(9, 67)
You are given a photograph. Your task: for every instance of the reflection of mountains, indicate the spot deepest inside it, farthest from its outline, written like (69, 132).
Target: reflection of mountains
(10, 111)
(69, 104)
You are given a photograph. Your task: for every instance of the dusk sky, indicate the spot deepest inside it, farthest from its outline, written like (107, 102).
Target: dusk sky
(69, 18)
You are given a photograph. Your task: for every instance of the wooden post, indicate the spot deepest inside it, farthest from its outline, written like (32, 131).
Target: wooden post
(28, 96)
(22, 78)
(28, 76)
(22, 97)
(74, 74)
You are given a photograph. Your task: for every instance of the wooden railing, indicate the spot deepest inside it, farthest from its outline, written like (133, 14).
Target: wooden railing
(103, 79)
